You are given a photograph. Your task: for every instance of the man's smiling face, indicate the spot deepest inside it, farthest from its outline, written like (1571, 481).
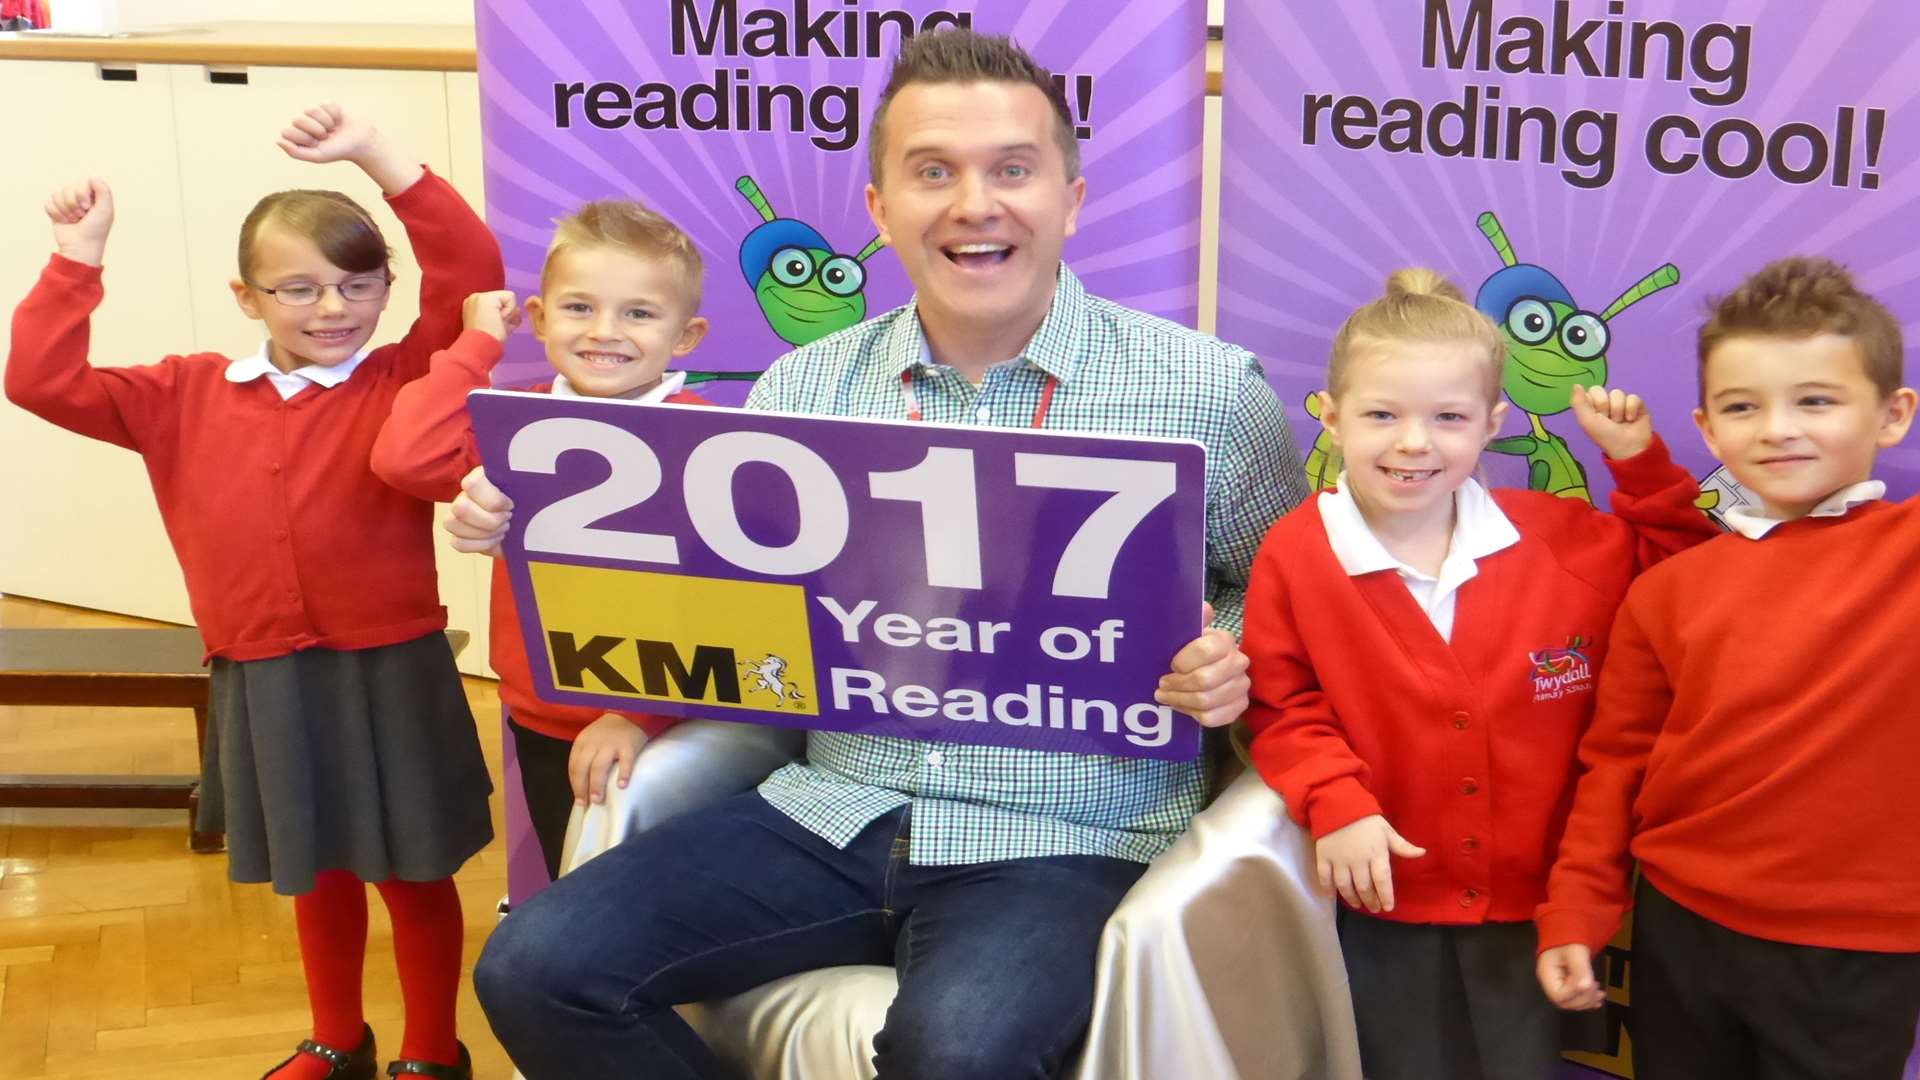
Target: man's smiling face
(975, 199)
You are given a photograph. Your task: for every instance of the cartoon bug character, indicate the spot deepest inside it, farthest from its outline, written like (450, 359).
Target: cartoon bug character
(1552, 345)
(805, 290)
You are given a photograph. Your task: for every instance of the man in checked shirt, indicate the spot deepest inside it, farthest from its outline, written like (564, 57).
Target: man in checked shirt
(990, 905)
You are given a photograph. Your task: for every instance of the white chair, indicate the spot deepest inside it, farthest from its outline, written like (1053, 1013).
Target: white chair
(1222, 962)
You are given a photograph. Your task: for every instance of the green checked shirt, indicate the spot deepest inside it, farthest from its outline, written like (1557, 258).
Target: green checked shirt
(1120, 372)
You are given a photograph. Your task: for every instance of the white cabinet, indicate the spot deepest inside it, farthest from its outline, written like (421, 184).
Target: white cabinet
(77, 520)
(188, 152)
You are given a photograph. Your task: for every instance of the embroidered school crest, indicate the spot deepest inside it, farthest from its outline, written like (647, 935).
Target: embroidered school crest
(1560, 672)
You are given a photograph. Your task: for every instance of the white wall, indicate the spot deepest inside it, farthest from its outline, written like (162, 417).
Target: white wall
(189, 12)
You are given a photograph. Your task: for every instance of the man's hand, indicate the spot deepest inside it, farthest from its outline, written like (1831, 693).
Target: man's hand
(1566, 974)
(1209, 677)
(82, 216)
(481, 516)
(495, 314)
(609, 741)
(328, 132)
(1617, 422)
(1353, 861)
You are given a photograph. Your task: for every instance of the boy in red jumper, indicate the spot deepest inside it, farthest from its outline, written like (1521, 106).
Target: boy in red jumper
(1755, 735)
(1423, 655)
(619, 296)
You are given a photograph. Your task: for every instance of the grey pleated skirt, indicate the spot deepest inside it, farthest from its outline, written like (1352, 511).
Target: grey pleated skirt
(364, 760)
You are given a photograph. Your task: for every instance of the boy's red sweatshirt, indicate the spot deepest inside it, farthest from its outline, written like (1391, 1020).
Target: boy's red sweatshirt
(1755, 742)
(425, 449)
(1360, 707)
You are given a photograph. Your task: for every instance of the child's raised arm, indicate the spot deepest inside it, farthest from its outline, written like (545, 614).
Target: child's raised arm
(457, 255)
(47, 369)
(1654, 497)
(426, 445)
(328, 132)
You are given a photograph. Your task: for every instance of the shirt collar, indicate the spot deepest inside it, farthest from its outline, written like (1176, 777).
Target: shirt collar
(1480, 528)
(1055, 348)
(670, 384)
(1753, 523)
(257, 365)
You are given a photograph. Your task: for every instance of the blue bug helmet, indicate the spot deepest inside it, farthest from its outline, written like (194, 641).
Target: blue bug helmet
(756, 251)
(1512, 283)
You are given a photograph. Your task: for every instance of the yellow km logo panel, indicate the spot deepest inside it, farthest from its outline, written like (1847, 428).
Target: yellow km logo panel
(670, 637)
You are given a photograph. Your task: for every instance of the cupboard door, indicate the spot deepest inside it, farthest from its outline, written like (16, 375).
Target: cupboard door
(229, 120)
(80, 526)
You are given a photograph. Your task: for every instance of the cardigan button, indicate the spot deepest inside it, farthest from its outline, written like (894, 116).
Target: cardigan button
(1460, 721)
(1469, 897)
(1469, 786)
(274, 468)
(1470, 845)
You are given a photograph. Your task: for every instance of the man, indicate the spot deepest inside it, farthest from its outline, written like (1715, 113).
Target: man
(983, 874)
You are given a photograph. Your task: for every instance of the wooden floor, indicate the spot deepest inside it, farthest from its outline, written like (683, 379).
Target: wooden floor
(124, 955)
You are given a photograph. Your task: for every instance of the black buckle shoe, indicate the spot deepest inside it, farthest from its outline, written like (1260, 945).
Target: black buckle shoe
(462, 1071)
(362, 1064)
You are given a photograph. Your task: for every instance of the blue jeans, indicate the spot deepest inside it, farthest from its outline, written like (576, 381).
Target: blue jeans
(996, 960)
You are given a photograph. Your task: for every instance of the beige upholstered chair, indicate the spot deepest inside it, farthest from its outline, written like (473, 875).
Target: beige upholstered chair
(1222, 962)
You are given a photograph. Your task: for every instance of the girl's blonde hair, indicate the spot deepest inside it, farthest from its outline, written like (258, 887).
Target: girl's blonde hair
(1420, 305)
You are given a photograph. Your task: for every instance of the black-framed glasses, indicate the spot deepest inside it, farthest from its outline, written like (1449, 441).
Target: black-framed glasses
(356, 290)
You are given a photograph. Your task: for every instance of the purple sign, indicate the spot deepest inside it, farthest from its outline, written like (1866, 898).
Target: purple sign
(1621, 162)
(958, 584)
(744, 122)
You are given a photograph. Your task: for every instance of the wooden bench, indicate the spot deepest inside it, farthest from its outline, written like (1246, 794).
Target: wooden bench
(118, 668)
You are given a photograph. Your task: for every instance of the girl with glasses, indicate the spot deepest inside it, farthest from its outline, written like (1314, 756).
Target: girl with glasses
(342, 750)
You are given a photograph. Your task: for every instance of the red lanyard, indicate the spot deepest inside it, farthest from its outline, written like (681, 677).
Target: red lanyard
(913, 400)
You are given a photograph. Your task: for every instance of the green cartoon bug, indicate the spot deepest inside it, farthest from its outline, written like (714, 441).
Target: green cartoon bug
(805, 290)
(1552, 346)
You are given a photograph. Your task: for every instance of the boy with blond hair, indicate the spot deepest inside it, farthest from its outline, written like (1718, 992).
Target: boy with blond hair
(619, 301)
(1755, 730)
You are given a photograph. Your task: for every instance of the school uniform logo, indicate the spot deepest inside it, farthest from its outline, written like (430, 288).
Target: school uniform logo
(1562, 672)
(674, 637)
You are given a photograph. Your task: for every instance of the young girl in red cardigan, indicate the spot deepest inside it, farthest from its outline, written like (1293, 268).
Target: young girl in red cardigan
(342, 751)
(1423, 654)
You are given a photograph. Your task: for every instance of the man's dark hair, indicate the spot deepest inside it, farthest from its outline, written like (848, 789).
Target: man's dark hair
(959, 55)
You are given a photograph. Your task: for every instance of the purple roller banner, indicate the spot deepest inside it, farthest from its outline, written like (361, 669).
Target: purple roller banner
(745, 122)
(959, 585)
(1623, 159)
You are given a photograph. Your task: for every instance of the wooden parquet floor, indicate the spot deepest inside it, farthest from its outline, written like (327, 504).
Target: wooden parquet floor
(123, 954)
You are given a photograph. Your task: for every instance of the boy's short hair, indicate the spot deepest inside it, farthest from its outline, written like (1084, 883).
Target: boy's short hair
(630, 227)
(341, 228)
(959, 55)
(1799, 297)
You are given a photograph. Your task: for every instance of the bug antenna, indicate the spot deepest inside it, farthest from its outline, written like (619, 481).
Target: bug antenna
(1664, 278)
(1497, 236)
(873, 246)
(752, 191)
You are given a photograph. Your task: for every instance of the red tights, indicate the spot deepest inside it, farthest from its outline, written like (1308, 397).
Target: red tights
(427, 939)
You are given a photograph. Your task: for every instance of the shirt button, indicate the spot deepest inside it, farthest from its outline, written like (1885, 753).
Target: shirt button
(981, 414)
(935, 758)
(280, 534)
(1460, 721)
(1469, 898)
(1470, 845)
(1469, 786)
(274, 468)
(293, 596)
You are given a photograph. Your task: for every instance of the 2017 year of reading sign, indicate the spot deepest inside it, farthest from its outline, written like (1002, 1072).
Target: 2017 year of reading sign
(951, 584)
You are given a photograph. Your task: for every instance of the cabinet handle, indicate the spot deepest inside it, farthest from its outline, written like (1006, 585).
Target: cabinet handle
(112, 74)
(227, 78)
